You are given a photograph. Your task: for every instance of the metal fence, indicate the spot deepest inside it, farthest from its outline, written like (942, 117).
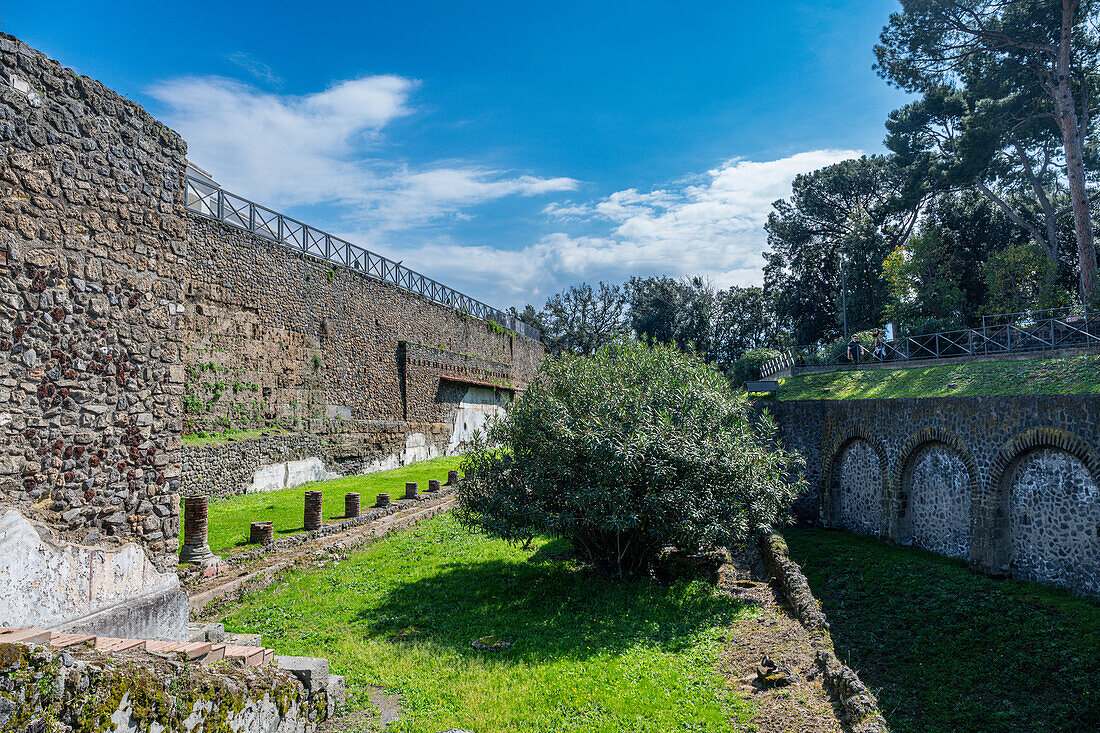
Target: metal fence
(1002, 334)
(221, 205)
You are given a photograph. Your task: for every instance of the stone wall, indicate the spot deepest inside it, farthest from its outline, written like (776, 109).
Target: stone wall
(91, 240)
(79, 689)
(342, 447)
(276, 337)
(1009, 483)
(126, 321)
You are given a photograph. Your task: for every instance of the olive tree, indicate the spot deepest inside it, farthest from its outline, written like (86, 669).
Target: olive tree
(625, 452)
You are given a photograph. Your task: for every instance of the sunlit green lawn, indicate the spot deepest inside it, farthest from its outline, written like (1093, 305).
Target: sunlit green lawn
(589, 654)
(229, 518)
(1034, 376)
(950, 651)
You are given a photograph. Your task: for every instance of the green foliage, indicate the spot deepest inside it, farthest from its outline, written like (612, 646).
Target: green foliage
(946, 649)
(624, 452)
(1006, 89)
(747, 366)
(331, 274)
(848, 212)
(1035, 376)
(590, 655)
(666, 311)
(924, 293)
(744, 320)
(1018, 279)
(580, 319)
(317, 362)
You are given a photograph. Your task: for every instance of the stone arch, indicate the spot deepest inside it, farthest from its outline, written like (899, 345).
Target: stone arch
(1045, 510)
(830, 485)
(934, 509)
(1034, 438)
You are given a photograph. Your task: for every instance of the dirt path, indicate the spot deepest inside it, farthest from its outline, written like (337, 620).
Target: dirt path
(797, 701)
(231, 581)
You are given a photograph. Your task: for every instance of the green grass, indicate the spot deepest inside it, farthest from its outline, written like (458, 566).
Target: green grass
(946, 649)
(228, 519)
(590, 654)
(1067, 375)
(229, 436)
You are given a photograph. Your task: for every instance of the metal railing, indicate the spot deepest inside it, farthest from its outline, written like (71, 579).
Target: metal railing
(998, 335)
(221, 205)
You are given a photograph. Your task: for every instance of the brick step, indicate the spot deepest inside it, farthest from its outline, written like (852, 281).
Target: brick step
(201, 652)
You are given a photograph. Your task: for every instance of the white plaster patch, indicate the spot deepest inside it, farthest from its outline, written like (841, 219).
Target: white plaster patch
(43, 583)
(475, 410)
(290, 474)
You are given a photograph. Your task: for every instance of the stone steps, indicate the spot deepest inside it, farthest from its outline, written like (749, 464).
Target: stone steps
(203, 652)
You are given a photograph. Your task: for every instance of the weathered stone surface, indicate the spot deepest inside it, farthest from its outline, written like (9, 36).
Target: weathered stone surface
(47, 583)
(1009, 483)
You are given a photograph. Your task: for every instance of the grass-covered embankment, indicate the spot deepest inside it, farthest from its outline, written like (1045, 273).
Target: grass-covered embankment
(229, 518)
(589, 654)
(1067, 375)
(948, 650)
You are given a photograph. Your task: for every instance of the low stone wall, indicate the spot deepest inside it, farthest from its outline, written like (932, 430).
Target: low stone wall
(342, 447)
(1009, 483)
(857, 701)
(79, 689)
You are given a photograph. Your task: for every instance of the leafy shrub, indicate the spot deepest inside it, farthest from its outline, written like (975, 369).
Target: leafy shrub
(624, 452)
(747, 366)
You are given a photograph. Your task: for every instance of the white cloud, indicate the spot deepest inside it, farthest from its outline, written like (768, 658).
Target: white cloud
(327, 147)
(712, 225)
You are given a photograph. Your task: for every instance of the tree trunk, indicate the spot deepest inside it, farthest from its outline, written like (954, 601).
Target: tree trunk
(1066, 113)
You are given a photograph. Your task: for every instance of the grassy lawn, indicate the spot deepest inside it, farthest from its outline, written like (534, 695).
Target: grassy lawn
(589, 654)
(949, 650)
(1037, 376)
(228, 519)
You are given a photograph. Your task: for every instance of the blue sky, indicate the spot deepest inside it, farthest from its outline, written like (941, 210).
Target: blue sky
(507, 149)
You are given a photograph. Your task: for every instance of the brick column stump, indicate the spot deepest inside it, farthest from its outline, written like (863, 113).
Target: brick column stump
(351, 505)
(261, 533)
(382, 500)
(433, 485)
(195, 548)
(452, 478)
(312, 519)
(411, 490)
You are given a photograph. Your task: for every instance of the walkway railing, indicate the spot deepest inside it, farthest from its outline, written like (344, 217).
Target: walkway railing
(221, 205)
(998, 335)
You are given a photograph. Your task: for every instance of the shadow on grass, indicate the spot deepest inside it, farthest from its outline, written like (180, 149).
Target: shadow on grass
(950, 650)
(546, 610)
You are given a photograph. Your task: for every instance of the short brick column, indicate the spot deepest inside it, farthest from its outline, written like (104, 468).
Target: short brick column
(195, 548)
(312, 518)
(261, 533)
(351, 505)
(452, 478)
(411, 490)
(382, 500)
(433, 485)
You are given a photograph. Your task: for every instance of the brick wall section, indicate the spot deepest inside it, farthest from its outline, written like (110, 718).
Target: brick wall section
(301, 340)
(91, 232)
(1004, 463)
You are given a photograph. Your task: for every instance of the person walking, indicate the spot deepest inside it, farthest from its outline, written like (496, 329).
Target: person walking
(853, 350)
(880, 346)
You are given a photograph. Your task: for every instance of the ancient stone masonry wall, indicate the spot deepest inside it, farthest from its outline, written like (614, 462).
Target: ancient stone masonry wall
(81, 690)
(1009, 483)
(344, 447)
(91, 235)
(274, 336)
